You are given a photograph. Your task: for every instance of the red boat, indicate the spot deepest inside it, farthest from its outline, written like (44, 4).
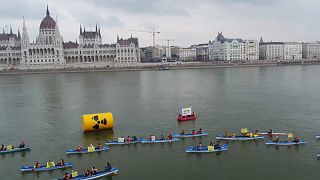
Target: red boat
(186, 115)
(187, 118)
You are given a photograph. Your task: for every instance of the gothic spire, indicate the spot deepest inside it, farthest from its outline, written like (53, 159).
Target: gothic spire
(48, 13)
(19, 36)
(84, 28)
(99, 32)
(96, 27)
(11, 30)
(80, 29)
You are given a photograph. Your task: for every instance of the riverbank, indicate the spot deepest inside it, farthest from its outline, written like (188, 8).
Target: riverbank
(150, 66)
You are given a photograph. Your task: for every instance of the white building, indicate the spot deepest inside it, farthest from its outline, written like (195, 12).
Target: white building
(90, 49)
(280, 50)
(127, 51)
(271, 50)
(10, 51)
(202, 52)
(311, 50)
(292, 51)
(48, 47)
(187, 54)
(225, 49)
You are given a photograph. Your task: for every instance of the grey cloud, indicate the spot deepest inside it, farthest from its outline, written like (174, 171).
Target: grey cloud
(108, 21)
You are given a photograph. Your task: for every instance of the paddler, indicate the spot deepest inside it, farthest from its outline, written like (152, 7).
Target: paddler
(211, 144)
(61, 163)
(217, 145)
(129, 139)
(170, 137)
(199, 146)
(99, 146)
(94, 170)
(276, 139)
(256, 133)
(162, 137)
(87, 173)
(79, 148)
(182, 132)
(270, 132)
(296, 139)
(200, 131)
(250, 134)
(227, 134)
(233, 134)
(135, 138)
(108, 167)
(3, 148)
(22, 144)
(37, 164)
(66, 176)
(193, 132)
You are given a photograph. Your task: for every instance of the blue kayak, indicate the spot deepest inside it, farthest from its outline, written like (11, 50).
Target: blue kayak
(27, 148)
(189, 135)
(44, 168)
(285, 143)
(239, 138)
(159, 141)
(121, 143)
(85, 150)
(206, 149)
(97, 175)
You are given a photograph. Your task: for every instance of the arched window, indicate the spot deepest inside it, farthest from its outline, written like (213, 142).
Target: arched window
(50, 40)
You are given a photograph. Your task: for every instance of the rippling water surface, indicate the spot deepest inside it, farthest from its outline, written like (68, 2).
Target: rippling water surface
(46, 111)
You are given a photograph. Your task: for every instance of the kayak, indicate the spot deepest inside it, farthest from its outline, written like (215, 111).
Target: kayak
(44, 168)
(159, 141)
(85, 150)
(238, 138)
(121, 143)
(97, 175)
(206, 149)
(189, 135)
(272, 134)
(285, 143)
(27, 148)
(317, 136)
(318, 155)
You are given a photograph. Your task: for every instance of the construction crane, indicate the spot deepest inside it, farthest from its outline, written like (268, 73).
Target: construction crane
(168, 53)
(151, 32)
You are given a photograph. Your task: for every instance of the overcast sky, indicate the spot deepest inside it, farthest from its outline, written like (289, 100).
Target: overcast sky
(186, 21)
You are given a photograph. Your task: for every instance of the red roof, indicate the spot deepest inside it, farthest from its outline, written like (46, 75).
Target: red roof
(48, 23)
(5, 37)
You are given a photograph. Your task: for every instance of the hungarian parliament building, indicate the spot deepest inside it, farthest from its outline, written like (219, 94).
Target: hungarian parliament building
(49, 49)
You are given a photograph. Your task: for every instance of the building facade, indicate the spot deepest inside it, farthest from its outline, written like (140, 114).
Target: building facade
(271, 50)
(292, 51)
(187, 54)
(127, 51)
(89, 49)
(280, 50)
(202, 52)
(47, 49)
(311, 50)
(50, 49)
(225, 49)
(10, 50)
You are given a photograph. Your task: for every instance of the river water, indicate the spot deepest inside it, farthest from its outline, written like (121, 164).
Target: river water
(46, 110)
